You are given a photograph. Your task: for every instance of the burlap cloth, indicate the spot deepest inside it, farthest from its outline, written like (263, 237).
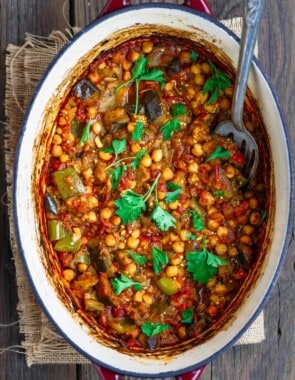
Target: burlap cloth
(24, 66)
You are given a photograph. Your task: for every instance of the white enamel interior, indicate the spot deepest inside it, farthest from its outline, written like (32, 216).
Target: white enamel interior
(27, 226)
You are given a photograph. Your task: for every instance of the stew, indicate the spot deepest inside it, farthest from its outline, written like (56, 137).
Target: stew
(148, 211)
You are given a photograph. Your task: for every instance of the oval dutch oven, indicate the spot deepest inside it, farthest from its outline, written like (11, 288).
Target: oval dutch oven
(110, 30)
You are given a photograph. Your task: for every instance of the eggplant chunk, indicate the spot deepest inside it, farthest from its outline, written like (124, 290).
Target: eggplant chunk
(84, 89)
(154, 107)
(51, 204)
(175, 67)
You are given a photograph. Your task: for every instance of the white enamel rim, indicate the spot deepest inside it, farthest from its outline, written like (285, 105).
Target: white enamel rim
(24, 213)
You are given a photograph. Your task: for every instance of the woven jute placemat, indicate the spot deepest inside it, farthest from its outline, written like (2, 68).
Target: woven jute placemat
(24, 67)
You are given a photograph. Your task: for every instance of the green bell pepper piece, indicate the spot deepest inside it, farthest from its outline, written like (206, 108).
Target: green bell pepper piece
(56, 230)
(67, 244)
(68, 182)
(167, 285)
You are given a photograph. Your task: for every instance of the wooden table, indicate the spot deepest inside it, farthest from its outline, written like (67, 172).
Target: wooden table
(274, 358)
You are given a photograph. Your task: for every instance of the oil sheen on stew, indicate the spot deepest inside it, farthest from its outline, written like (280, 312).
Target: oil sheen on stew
(148, 211)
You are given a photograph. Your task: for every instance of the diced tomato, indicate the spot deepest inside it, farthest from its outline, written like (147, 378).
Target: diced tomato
(238, 158)
(242, 208)
(240, 274)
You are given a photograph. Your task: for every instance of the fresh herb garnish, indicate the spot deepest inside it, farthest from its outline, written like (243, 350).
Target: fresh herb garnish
(152, 329)
(191, 237)
(131, 205)
(187, 315)
(263, 217)
(198, 222)
(218, 82)
(162, 219)
(123, 282)
(219, 152)
(169, 128)
(194, 56)
(172, 195)
(117, 147)
(140, 72)
(116, 174)
(138, 131)
(219, 193)
(86, 133)
(159, 259)
(203, 264)
(178, 109)
(138, 259)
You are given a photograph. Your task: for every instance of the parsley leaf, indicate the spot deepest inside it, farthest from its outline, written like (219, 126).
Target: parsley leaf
(117, 147)
(218, 82)
(140, 72)
(169, 128)
(138, 131)
(86, 132)
(138, 259)
(116, 174)
(159, 259)
(178, 110)
(219, 193)
(263, 217)
(191, 237)
(203, 264)
(152, 329)
(219, 152)
(172, 195)
(198, 222)
(187, 315)
(194, 56)
(162, 219)
(130, 206)
(123, 282)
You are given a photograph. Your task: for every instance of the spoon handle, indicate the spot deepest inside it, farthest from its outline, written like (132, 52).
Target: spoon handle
(251, 24)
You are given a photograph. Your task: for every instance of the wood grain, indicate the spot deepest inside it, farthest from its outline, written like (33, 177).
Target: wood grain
(272, 359)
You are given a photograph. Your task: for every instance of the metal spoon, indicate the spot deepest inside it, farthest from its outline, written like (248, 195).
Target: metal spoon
(235, 127)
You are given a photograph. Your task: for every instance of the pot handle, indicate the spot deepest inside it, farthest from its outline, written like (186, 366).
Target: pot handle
(106, 374)
(198, 5)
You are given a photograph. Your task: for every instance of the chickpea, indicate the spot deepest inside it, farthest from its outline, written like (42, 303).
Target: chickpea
(147, 47)
(248, 229)
(131, 126)
(121, 245)
(176, 259)
(115, 220)
(213, 224)
(230, 171)
(225, 104)
(200, 79)
(183, 235)
(229, 91)
(211, 282)
(93, 76)
(135, 233)
(91, 112)
(82, 267)
(106, 213)
(162, 195)
(196, 68)
(127, 65)
(105, 156)
(182, 332)
(133, 55)
(233, 252)
(64, 158)
(57, 139)
(92, 217)
(138, 296)
(178, 247)
(92, 201)
(68, 274)
(197, 150)
(110, 240)
(173, 205)
(221, 249)
(222, 231)
(172, 270)
(147, 299)
(157, 155)
(253, 203)
(213, 240)
(96, 127)
(62, 121)
(131, 269)
(132, 242)
(193, 167)
(220, 289)
(255, 218)
(127, 75)
(206, 67)
(167, 173)
(191, 92)
(246, 239)
(146, 161)
(56, 150)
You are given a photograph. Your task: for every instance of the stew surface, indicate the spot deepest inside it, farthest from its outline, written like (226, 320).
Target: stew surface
(147, 210)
